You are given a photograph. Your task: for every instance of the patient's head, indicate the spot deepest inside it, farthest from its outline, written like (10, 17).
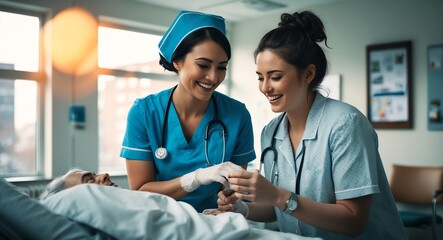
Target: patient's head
(75, 177)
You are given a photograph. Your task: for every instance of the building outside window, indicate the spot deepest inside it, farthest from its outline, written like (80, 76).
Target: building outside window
(20, 75)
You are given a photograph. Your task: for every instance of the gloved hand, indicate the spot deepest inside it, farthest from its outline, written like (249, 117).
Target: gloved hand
(205, 176)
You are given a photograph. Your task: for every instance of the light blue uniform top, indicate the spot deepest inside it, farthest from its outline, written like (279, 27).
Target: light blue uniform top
(341, 162)
(143, 137)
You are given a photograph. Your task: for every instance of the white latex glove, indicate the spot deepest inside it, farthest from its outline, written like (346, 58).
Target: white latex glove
(205, 176)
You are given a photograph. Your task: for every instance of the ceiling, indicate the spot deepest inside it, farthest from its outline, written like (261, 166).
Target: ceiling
(237, 10)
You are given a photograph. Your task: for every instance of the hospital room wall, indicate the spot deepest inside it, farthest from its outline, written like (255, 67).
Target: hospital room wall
(350, 26)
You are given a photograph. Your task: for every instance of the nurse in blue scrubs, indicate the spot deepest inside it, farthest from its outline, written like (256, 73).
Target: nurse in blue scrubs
(184, 141)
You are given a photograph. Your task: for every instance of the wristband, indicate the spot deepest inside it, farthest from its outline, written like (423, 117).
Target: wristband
(242, 208)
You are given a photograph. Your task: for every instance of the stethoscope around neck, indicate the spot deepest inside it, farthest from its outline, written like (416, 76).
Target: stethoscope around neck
(271, 148)
(162, 153)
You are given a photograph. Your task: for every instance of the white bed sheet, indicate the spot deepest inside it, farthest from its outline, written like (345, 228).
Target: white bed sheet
(125, 214)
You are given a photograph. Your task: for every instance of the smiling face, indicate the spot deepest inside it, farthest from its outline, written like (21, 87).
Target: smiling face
(285, 87)
(202, 70)
(76, 177)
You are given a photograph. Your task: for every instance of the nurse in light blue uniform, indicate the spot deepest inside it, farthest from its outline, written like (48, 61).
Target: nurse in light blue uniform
(183, 141)
(323, 173)
(339, 164)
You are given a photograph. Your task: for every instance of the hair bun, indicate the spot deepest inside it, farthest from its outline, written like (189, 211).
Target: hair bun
(288, 20)
(305, 21)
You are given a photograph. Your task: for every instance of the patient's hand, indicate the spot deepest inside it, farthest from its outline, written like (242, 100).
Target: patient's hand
(225, 201)
(213, 212)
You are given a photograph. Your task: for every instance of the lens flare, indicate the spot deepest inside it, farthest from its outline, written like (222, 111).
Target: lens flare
(74, 41)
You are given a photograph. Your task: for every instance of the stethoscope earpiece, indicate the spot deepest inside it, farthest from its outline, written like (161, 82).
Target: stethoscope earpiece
(161, 153)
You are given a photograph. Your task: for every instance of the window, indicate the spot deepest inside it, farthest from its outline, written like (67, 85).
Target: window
(20, 74)
(19, 44)
(123, 53)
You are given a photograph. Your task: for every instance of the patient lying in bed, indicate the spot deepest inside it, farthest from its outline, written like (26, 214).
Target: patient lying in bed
(73, 178)
(93, 211)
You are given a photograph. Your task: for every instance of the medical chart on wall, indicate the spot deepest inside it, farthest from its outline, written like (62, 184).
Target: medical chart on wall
(389, 85)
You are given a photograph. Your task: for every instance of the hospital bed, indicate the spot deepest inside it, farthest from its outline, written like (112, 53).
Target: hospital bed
(91, 211)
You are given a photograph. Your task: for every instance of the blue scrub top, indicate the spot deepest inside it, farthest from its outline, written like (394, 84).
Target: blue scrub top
(143, 137)
(341, 161)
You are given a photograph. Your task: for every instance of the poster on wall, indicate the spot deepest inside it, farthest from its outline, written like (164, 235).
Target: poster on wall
(435, 87)
(389, 85)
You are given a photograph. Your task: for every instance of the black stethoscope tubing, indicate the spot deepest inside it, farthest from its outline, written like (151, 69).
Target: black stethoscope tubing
(271, 148)
(161, 152)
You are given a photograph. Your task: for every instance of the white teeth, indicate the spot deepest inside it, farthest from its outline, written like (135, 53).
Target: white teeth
(207, 86)
(272, 98)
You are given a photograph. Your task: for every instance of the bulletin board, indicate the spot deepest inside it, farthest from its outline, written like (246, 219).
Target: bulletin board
(435, 87)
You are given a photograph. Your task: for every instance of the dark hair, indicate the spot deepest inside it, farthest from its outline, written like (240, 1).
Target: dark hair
(295, 40)
(193, 39)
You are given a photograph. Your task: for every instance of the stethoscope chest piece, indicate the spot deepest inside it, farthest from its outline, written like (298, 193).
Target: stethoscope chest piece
(161, 153)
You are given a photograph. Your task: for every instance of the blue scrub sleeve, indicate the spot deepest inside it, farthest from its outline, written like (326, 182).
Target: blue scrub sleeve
(244, 148)
(136, 144)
